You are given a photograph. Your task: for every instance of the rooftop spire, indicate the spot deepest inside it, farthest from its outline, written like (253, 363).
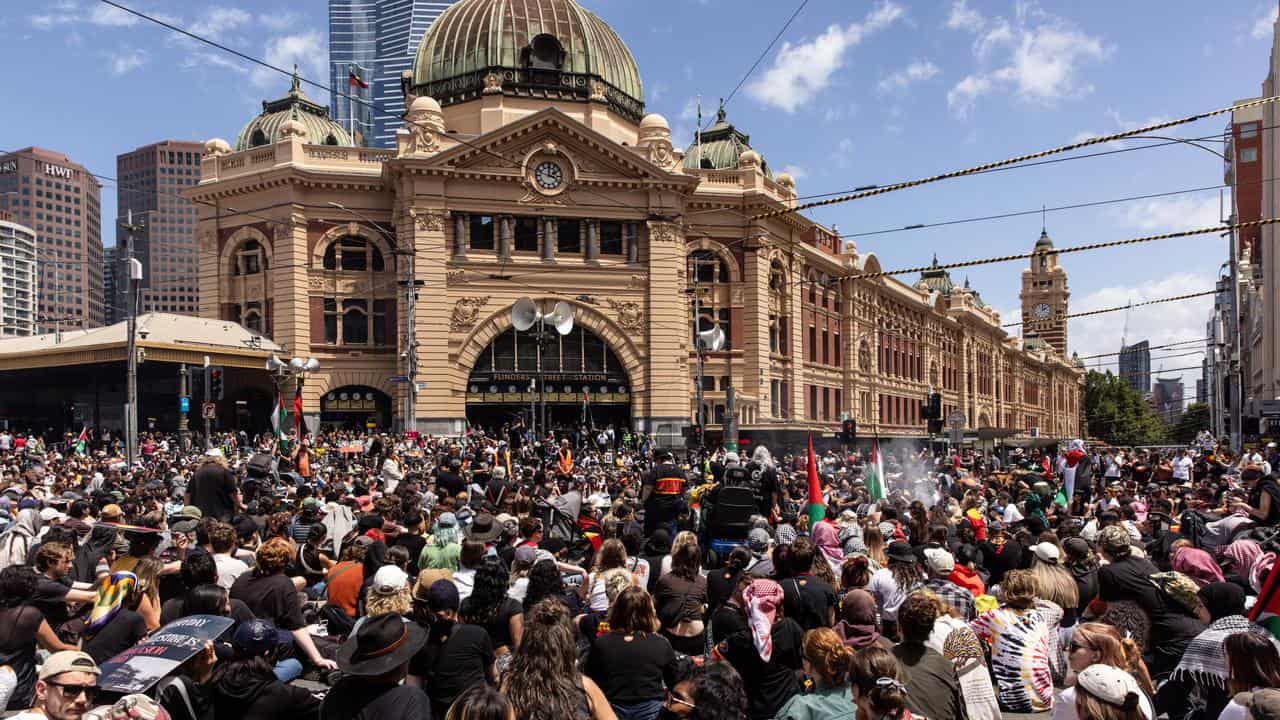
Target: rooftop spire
(296, 87)
(720, 112)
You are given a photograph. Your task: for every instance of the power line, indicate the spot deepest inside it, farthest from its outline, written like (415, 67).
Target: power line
(761, 58)
(1016, 160)
(1067, 250)
(1105, 363)
(1153, 347)
(1132, 305)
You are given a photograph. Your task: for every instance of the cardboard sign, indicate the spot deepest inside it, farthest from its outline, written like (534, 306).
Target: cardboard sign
(143, 665)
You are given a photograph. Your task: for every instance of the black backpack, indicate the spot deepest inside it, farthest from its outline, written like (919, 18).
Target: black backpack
(730, 516)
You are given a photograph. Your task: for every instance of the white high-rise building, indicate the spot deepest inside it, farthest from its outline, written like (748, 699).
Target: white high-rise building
(17, 278)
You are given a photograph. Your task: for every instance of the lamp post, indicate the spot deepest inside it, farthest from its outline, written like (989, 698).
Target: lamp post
(280, 372)
(131, 383)
(524, 315)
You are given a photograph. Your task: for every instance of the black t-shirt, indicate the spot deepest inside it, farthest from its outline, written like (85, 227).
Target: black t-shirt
(456, 656)
(769, 684)
(668, 484)
(18, 627)
(120, 634)
(451, 483)
(174, 609)
(1000, 559)
(355, 698)
(499, 626)
(720, 585)
(763, 481)
(631, 668)
(414, 544)
(211, 489)
(727, 620)
(1129, 579)
(51, 600)
(271, 598)
(808, 600)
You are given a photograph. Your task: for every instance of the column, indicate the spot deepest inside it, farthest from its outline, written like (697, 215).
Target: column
(755, 323)
(459, 236)
(630, 237)
(549, 236)
(593, 240)
(669, 387)
(441, 404)
(506, 237)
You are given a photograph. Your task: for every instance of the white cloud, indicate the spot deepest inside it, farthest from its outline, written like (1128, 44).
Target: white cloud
(1038, 58)
(308, 50)
(1159, 324)
(1264, 26)
(795, 171)
(917, 71)
(1170, 214)
(126, 60)
(109, 16)
(1121, 124)
(216, 21)
(800, 72)
(278, 21)
(962, 17)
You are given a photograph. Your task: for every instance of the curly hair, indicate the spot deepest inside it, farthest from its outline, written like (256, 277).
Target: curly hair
(17, 585)
(273, 556)
(487, 596)
(828, 655)
(543, 681)
(718, 693)
(916, 617)
(545, 581)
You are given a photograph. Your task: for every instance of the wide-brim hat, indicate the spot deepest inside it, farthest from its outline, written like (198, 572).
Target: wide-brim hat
(382, 644)
(900, 551)
(484, 528)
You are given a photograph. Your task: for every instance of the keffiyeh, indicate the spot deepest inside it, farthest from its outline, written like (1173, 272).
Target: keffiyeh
(763, 597)
(1204, 662)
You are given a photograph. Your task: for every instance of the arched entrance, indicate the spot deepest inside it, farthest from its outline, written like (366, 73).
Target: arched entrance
(577, 376)
(354, 407)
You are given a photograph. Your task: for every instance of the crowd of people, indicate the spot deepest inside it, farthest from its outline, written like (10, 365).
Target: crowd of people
(594, 575)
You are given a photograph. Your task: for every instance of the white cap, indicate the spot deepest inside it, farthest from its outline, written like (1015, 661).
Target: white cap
(939, 561)
(389, 580)
(1047, 552)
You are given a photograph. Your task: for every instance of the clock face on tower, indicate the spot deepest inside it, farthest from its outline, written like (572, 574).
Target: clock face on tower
(548, 175)
(1043, 311)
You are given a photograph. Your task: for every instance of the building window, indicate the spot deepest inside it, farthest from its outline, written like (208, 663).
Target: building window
(257, 138)
(706, 267)
(610, 238)
(353, 254)
(526, 234)
(813, 402)
(1248, 130)
(569, 236)
(250, 259)
(481, 232)
(1248, 155)
(826, 347)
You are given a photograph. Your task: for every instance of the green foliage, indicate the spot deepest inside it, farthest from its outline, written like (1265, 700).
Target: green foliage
(1194, 419)
(1116, 413)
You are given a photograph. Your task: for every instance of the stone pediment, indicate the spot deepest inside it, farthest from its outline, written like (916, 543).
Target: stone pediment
(589, 155)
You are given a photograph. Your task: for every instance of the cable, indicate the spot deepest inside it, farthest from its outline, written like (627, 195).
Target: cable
(1132, 305)
(761, 58)
(1067, 250)
(1105, 363)
(1153, 347)
(1016, 160)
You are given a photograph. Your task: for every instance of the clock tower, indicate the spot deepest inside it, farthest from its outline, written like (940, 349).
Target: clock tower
(1044, 297)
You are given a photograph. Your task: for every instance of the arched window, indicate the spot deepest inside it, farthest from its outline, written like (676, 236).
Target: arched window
(251, 317)
(544, 53)
(777, 278)
(257, 138)
(249, 259)
(353, 254)
(707, 267)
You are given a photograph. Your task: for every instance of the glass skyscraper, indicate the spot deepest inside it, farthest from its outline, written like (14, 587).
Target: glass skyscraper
(378, 38)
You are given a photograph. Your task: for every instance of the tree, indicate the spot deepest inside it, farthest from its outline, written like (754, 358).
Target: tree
(1194, 419)
(1116, 413)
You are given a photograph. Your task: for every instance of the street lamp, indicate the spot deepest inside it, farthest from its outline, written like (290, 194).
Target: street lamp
(281, 371)
(524, 315)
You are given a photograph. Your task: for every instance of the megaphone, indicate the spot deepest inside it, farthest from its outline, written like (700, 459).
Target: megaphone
(711, 340)
(524, 314)
(561, 317)
(274, 363)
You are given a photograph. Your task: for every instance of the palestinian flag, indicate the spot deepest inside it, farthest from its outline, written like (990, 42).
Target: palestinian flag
(82, 442)
(297, 411)
(817, 507)
(280, 416)
(354, 79)
(875, 473)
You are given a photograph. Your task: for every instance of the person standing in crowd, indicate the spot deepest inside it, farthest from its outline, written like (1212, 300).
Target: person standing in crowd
(213, 488)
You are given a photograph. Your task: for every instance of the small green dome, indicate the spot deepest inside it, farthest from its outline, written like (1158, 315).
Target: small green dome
(936, 279)
(722, 146)
(1044, 243)
(266, 129)
(553, 49)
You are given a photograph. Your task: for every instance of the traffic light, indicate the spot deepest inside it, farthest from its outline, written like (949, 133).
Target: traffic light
(695, 435)
(935, 427)
(215, 384)
(848, 431)
(932, 409)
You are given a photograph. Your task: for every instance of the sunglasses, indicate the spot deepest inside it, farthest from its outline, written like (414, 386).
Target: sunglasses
(71, 690)
(673, 698)
(1078, 646)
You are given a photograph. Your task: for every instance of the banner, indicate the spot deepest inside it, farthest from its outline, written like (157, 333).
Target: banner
(143, 665)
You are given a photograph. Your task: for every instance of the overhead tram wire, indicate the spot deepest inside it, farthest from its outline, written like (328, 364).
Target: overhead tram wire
(1118, 308)
(1153, 347)
(1016, 160)
(760, 59)
(1068, 250)
(1104, 363)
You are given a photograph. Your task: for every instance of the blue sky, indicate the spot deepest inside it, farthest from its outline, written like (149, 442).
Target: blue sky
(856, 93)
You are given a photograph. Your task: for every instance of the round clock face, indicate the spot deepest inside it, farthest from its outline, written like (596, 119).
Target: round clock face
(1043, 311)
(548, 175)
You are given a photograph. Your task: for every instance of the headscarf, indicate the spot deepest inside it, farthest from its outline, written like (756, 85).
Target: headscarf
(85, 566)
(857, 626)
(1197, 565)
(115, 589)
(762, 598)
(1242, 554)
(1204, 662)
(827, 539)
(24, 530)
(1222, 599)
(1179, 588)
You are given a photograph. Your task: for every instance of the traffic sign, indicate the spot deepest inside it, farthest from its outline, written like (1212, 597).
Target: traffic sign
(398, 379)
(209, 411)
(184, 404)
(956, 419)
(1270, 408)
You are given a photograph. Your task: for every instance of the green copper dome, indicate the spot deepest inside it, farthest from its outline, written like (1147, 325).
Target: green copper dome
(551, 49)
(266, 128)
(722, 145)
(1044, 243)
(936, 279)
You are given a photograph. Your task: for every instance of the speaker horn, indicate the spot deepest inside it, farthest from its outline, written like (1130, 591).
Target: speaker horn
(561, 317)
(524, 314)
(711, 340)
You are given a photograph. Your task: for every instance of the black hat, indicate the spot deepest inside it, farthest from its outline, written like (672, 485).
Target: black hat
(484, 529)
(901, 551)
(255, 638)
(382, 644)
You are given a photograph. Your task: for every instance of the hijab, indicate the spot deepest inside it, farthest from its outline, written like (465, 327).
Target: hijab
(1242, 554)
(857, 627)
(1197, 565)
(827, 539)
(1222, 599)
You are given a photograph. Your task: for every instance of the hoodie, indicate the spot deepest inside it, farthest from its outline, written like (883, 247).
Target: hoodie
(248, 694)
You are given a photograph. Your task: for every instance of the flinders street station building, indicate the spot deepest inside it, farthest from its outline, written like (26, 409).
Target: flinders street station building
(535, 240)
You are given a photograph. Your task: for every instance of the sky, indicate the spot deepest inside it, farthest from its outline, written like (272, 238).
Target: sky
(854, 93)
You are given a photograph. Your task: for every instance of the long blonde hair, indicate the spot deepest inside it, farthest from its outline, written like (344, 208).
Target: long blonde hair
(1115, 650)
(1055, 584)
(874, 540)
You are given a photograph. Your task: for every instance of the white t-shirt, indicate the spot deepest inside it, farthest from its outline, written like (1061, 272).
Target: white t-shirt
(1182, 468)
(229, 569)
(465, 579)
(1012, 514)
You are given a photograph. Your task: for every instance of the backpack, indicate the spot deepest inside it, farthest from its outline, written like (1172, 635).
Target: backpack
(730, 516)
(260, 465)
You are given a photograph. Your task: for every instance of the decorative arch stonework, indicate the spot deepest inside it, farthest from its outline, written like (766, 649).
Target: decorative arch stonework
(376, 379)
(238, 238)
(364, 232)
(706, 243)
(587, 316)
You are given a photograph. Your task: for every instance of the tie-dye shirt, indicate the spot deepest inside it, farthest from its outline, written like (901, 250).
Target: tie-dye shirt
(1020, 652)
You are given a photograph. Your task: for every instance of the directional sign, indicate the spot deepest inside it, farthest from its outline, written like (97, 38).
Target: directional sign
(398, 379)
(956, 419)
(209, 411)
(1270, 408)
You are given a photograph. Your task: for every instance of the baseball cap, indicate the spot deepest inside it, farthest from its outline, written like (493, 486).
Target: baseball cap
(68, 661)
(1047, 552)
(758, 540)
(447, 520)
(940, 561)
(1110, 684)
(1114, 539)
(525, 555)
(389, 580)
(443, 595)
(255, 638)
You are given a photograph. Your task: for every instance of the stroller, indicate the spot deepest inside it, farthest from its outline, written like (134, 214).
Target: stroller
(560, 521)
(728, 521)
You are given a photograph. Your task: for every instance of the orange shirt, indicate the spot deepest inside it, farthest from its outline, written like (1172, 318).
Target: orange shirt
(343, 585)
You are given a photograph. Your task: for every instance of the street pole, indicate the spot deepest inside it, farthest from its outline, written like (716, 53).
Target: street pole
(697, 321)
(184, 396)
(730, 420)
(131, 344)
(208, 442)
